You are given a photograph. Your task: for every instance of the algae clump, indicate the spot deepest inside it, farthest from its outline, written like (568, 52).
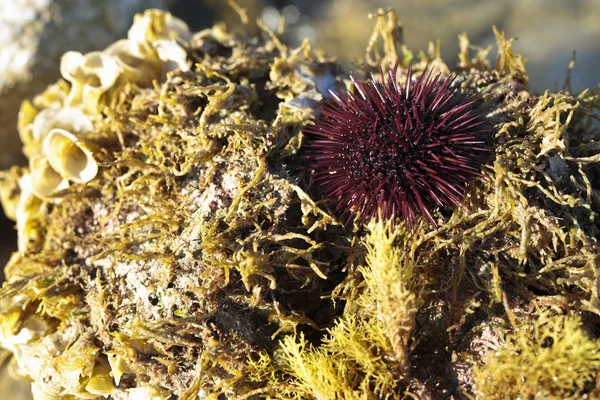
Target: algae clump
(172, 243)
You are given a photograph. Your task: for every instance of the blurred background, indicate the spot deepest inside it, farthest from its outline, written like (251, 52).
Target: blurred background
(35, 33)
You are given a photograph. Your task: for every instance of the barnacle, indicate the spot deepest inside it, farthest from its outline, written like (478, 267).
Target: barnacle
(29, 209)
(10, 193)
(136, 68)
(155, 33)
(90, 75)
(71, 119)
(173, 56)
(154, 26)
(71, 157)
(56, 153)
(27, 113)
(45, 181)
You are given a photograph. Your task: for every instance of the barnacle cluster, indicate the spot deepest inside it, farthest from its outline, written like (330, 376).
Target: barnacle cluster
(173, 244)
(57, 130)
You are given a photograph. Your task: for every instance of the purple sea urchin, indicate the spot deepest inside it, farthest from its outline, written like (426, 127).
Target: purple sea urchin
(397, 150)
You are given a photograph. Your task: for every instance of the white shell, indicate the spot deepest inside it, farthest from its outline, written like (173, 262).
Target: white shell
(10, 194)
(156, 25)
(27, 114)
(172, 55)
(156, 33)
(28, 211)
(24, 352)
(136, 67)
(45, 181)
(90, 75)
(72, 158)
(71, 119)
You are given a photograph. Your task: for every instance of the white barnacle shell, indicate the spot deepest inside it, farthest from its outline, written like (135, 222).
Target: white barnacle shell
(118, 366)
(90, 75)
(10, 192)
(69, 372)
(70, 156)
(27, 114)
(154, 25)
(137, 68)
(172, 55)
(45, 181)
(157, 34)
(101, 382)
(23, 342)
(71, 119)
(29, 209)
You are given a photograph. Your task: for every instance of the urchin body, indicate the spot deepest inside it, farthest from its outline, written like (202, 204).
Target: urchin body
(397, 150)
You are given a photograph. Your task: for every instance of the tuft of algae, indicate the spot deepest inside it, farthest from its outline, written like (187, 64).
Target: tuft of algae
(173, 246)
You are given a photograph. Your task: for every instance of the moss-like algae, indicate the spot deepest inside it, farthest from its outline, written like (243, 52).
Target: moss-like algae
(551, 357)
(202, 262)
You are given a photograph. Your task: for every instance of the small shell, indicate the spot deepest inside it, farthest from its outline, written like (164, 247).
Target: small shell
(101, 383)
(118, 366)
(54, 96)
(71, 157)
(45, 181)
(137, 68)
(172, 55)
(155, 25)
(68, 118)
(24, 343)
(27, 114)
(28, 212)
(156, 34)
(91, 75)
(10, 193)
(68, 373)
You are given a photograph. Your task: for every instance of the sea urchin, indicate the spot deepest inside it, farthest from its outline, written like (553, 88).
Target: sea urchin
(394, 150)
